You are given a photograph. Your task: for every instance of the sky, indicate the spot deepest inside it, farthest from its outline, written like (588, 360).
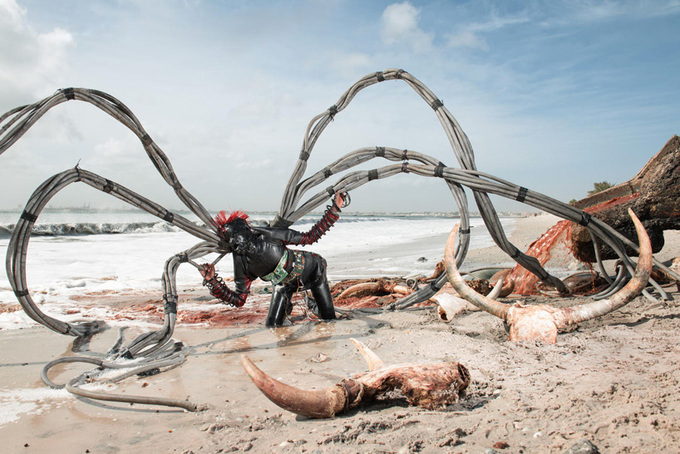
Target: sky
(553, 95)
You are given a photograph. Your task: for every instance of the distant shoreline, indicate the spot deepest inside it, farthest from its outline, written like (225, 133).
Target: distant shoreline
(184, 211)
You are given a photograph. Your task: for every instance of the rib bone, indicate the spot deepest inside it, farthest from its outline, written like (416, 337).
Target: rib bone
(543, 322)
(426, 385)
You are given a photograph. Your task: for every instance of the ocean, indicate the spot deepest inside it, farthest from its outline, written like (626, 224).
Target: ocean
(73, 251)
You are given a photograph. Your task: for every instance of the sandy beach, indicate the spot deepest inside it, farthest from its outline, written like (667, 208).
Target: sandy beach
(613, 381)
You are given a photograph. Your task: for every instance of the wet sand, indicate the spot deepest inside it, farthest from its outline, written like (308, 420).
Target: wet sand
(613, 381)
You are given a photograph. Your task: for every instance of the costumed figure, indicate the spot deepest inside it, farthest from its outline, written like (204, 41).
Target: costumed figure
(261, 252)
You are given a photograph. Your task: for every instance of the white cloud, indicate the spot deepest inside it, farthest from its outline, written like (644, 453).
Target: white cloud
(496, 23)
(400, 26)
(588, 11)
(469, 36)
(466, 39)
(14, 11)
(31, 63)
(591, 10)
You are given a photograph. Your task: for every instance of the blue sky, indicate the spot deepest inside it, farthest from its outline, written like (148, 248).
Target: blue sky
(554, 95)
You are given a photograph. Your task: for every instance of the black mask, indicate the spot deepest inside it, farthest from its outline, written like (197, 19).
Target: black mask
(239, 236)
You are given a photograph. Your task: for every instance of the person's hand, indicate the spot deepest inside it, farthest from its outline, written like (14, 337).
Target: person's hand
(207, 271)
(339, 199)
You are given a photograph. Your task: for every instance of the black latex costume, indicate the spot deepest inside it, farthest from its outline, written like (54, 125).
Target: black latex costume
(261, 252)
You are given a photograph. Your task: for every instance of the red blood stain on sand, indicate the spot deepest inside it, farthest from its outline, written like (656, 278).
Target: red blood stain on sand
(196, 308)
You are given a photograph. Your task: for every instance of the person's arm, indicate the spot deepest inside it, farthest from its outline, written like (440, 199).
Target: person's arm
(331, 215)
(218, 288)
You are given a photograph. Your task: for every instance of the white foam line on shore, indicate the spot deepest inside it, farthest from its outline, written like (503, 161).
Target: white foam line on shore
(16, 402)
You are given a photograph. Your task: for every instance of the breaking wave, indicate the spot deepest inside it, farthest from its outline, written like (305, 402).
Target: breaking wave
(85, 226)
(91, 228)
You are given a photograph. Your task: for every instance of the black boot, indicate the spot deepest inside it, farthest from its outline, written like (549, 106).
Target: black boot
(279, 307)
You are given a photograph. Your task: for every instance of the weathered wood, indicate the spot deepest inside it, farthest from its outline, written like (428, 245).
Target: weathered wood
(653, 194)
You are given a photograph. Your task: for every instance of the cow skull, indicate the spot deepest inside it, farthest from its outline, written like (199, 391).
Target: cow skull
(426, 385)
(543, 322)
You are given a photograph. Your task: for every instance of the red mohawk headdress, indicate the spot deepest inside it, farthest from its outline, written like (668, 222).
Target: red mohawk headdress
(223, 219)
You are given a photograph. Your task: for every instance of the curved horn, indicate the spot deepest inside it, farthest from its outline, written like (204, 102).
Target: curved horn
(483, 302)
(632, 289)
(497, 289)
(323, 403)
(373, 361)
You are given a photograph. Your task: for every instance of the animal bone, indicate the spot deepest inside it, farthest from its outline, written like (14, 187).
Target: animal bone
(452, 305)
(543, 322)
(426, 385)
(379, 287)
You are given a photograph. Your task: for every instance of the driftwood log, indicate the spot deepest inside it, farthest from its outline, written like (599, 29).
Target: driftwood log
(429, 386)
(653, 194)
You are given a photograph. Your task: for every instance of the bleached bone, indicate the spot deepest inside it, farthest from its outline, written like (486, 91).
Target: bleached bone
(451, 305)
(426, 385)
(543, 322)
